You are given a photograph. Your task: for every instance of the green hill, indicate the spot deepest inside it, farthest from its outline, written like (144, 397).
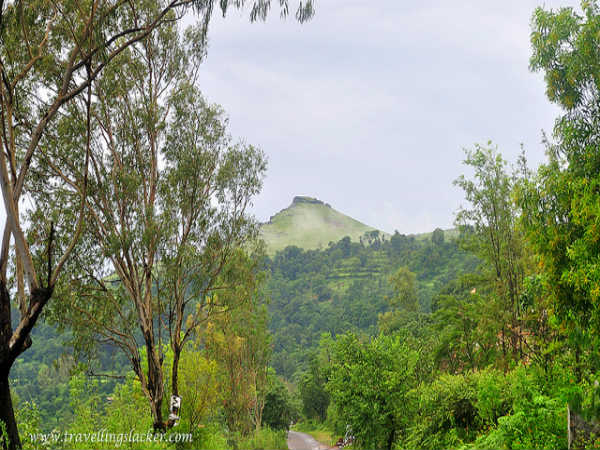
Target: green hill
(309, 223)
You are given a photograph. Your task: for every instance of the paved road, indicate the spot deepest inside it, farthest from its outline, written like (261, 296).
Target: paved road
(303, 441)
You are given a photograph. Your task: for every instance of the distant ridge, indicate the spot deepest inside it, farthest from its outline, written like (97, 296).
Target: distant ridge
(310, 223)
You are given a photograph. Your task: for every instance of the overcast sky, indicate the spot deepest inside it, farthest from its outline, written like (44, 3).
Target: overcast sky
(369, 105)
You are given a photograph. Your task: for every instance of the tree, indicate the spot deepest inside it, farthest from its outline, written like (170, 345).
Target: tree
(166, 233)
(368, 386)
(199, 387)
(560, 203)
(404, 283)
(315, 398)
(279, 410)
(50, 55)
(489, 229)
(404, 304)
(466, 325)
(237, 337)
(437, 237)
(200, 254)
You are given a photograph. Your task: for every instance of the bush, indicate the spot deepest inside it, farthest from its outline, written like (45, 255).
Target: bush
(537, 417)
(494, 397)
(446, 413)
(542, 425)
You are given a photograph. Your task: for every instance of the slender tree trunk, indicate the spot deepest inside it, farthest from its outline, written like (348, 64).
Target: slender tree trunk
(391, 437)
(155, 384)
(156, 407)
(259, 413)
(7, 414)
(174, 381)
(175, 372)
(156, 403)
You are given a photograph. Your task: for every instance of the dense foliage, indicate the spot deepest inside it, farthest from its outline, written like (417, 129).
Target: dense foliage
(347, 286)
(486, 367)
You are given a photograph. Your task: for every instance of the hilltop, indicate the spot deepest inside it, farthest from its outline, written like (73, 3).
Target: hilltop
(310, 223)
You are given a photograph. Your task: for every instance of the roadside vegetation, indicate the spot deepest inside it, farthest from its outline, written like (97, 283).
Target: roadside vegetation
(507, 350)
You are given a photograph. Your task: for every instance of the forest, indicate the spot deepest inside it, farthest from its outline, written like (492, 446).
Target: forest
(347, 286)
(140, 309)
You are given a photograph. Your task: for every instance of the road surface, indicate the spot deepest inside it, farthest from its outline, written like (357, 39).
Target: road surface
(303, 441)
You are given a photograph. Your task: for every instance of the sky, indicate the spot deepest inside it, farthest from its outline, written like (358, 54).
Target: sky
(369, 106)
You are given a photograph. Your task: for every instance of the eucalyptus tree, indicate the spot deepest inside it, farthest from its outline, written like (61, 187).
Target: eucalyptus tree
(166, 206)
(236, 335)
(207, 186)
(50, 53)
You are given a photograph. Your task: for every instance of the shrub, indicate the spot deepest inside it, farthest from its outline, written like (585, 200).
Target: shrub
(446, 413)
(537, 417)
(494, 397)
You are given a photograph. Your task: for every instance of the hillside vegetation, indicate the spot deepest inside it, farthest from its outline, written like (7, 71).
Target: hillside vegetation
(310, 224)
(346, 286)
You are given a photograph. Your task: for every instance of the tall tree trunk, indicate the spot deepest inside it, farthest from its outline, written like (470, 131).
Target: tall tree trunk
(157, 393)
(175, 371)
(174, 383)
(156, 409)
(155, 383)
(21, 342)
(7, 414)
(391, 437)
